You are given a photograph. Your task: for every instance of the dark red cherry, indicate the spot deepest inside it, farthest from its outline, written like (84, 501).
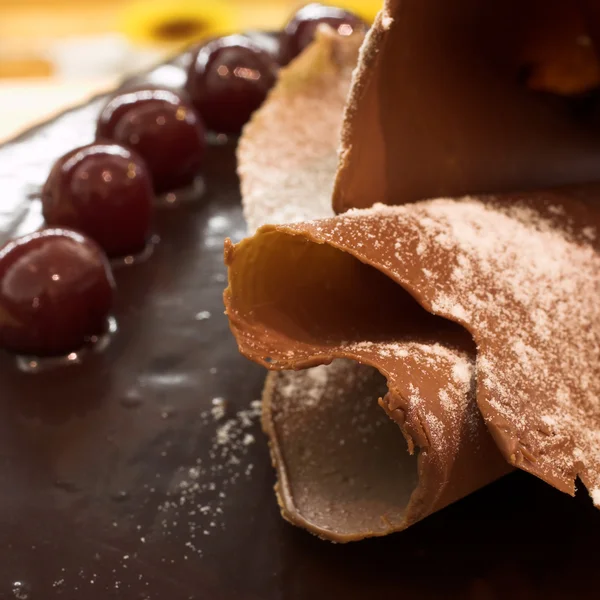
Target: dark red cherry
(122, 103)
(228, 80)
(300, 31)
(104, 191)
(163, 128)
(56, 292)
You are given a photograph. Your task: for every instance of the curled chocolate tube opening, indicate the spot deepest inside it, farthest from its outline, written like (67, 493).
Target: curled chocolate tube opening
(320, 296)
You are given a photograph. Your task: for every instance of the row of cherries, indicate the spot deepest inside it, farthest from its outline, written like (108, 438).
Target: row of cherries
(56, 284)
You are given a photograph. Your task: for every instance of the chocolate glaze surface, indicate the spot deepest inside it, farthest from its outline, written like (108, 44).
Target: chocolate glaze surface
(82, 469)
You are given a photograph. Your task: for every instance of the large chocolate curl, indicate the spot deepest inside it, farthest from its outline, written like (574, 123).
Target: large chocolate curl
(518, 272)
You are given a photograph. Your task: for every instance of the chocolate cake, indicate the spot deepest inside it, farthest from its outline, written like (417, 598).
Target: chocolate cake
(140, 472)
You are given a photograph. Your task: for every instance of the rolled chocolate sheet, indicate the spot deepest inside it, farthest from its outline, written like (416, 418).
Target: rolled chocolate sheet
(343, 468)
(464, 97)
(519, 273)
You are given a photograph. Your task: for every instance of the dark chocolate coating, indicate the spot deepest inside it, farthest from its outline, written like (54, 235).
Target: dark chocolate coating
(72, 440)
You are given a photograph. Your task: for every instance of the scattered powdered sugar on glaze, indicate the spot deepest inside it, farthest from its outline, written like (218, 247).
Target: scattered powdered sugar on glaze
(525, 280)
(219, 407)
(191, 505)
(197, 496)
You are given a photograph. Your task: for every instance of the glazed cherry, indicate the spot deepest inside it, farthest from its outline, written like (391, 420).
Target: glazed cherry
(104, 191)
(228, 80)
(122, 103)
(56, 292)
(163, 128)
(300, 31)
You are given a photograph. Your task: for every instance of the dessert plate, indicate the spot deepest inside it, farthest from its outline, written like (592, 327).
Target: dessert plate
(142, 473)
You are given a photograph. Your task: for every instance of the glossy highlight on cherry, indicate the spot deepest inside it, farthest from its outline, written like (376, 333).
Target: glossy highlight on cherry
(189, 194)
(56, 293)
(301, 29)
(228, 80)
(104, 191)
(120, 104)
(137, 258)
(163, 128)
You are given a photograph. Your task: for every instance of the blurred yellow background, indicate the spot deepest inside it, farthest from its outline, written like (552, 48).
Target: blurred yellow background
(32, 30)
(58, 52)
(54, 53)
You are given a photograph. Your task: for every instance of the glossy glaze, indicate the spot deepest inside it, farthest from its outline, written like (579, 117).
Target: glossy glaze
(89, 457)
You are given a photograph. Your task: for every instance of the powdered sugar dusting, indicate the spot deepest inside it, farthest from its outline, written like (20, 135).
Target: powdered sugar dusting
(286, 161)
(525, 279)
(290, 180)
(303, 391)
(197, 497)
(387, 22)
(314, 382)
(433, 384)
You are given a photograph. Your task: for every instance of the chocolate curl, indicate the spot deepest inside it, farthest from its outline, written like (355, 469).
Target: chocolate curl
(443, 103)
(518, 272)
